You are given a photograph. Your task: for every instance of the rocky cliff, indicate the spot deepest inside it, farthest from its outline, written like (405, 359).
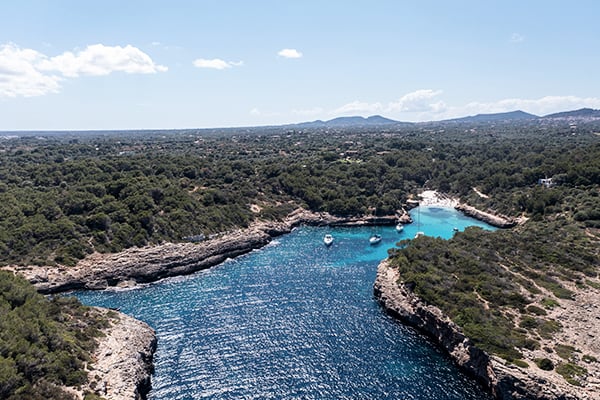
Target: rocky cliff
(492, 219)
(505, 382)
(151, 263)
(121, 366)
(146, 264)
(400, 302)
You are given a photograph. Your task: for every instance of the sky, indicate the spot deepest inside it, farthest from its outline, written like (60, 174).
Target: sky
(128, 64)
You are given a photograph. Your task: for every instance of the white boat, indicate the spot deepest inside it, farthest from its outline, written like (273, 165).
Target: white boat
(374, 239)
(419, 234)
(328, 240)
(399, 228)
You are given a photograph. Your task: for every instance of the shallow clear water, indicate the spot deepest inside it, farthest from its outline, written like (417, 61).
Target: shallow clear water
(294, 320)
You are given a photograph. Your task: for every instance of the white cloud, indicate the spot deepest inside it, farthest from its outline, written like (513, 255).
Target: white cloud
(358, 107)
(19, 75)
(417, 101)
(216, 63)
(99, 59)
(27, 72)
(255, 111)
(289, 53)
(516, 38)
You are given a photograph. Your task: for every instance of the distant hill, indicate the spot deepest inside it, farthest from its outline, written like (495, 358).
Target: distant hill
(511, 116)
(581, 113)
(378, 119)
(496, 117)
(352, 121)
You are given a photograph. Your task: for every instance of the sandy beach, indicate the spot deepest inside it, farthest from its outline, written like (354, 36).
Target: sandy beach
(432, 198)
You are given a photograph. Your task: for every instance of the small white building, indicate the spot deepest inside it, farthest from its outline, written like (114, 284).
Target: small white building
(547, 182)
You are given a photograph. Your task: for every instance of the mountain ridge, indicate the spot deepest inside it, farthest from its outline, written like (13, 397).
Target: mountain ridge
(575, 114)
(509, 116)
(516, 115)
(352, 120)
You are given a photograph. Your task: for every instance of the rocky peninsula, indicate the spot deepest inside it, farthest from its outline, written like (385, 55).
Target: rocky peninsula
(140, 265)
(505, 381)
(151, 263)
(121, 365)
(492, 219)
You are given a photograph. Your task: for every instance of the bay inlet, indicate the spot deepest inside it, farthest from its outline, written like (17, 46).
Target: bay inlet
(293, 320)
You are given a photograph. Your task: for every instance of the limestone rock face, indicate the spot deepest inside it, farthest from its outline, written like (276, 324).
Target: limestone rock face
(506, 382)
(146, 264)
(151, 263)
(122, 363)
(403, 304)
(494, 220)
(514, 383)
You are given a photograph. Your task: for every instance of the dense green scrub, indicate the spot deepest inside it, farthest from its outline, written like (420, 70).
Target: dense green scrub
(44, 343)
(498, 285)
(63, 196)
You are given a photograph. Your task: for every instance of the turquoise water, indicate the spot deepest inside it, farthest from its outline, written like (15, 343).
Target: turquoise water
(294, 320)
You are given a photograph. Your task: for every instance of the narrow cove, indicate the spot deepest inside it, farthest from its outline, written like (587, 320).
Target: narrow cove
(295, 319)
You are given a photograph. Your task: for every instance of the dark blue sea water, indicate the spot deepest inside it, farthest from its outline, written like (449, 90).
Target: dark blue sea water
(294, 320)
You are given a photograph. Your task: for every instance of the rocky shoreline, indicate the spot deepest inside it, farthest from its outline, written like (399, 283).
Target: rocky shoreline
(495, 220)
(147, 264)
(121, 365)
(151, 263)
(505, 382)
(125, 373)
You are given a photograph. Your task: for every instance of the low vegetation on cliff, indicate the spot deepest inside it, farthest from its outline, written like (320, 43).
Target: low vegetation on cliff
(501, 287)
(44, 343)
(497, 285)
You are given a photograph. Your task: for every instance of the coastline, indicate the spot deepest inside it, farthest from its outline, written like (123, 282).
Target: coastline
(152, 263)
(503, 380)
(113, 375)
(121, 365)
(140, 265)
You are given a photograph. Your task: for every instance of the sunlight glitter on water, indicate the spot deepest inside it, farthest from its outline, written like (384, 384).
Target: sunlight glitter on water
(293, 320)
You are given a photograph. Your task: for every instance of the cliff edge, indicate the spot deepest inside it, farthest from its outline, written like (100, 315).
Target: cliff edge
(495, 220)
(504, 381)
(151, 263)
(121, 366)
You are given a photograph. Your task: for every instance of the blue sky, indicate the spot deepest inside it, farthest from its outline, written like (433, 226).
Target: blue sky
(199, 64)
